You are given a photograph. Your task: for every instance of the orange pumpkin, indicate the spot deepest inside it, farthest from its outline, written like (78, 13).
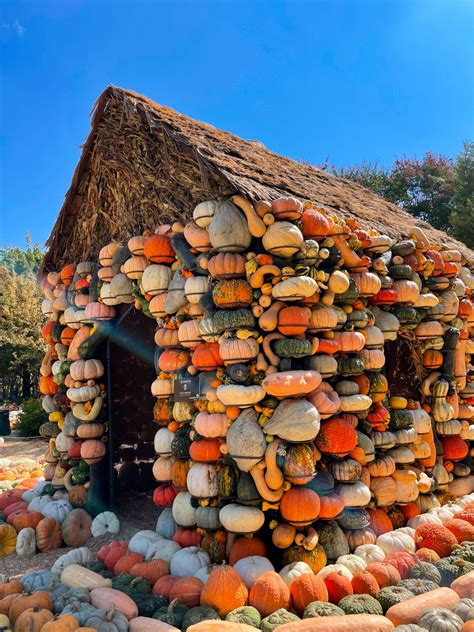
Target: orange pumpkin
(164, 585)
(48, 534)
(205, 450)
(435, 537)
(364, 583)
(187, 591)
(10, 587)
(206, 356)
(47, 385)
(152, 570)
(402, 561)
(245, 547)
(224, 591)
(173, 360)
(462, 530)
(39, 599)
(305, 589)
(158, 249)
(293, 321)
(269, 593)
(385, 574)
(300, 506)
(379, 522)
(338, 586)
(127, 562)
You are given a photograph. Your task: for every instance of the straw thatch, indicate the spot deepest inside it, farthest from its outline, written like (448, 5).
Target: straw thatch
(145, 164)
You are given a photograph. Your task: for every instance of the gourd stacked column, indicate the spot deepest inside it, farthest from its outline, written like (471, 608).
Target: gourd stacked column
(72, 381)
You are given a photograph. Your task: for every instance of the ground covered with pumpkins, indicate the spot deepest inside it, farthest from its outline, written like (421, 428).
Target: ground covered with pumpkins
(316, 474)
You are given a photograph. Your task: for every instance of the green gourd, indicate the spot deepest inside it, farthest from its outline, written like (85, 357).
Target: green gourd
(198, 614)
(350, 366)
(276, 619)
(418, 586)
(360, 604)
(400, 419)
(401, 271)
(391, 595)
(406, 315)
(147, 604)
(425, 570)
(349, 297)
(172, 614)
(181, 443)
(246, 614)
(227, 479)
(227, 319)
(322, 609)
(247, 492)
(131, 583)
(451, 568)
(333, 540)
(292, 348)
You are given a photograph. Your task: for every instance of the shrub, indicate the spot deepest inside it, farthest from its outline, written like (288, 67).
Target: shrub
(30, 419)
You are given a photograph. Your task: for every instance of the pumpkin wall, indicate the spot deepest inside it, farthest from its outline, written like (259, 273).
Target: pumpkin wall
(332, 395)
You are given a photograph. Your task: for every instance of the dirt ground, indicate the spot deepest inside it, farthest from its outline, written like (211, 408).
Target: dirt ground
(33, 449)
(135, 512)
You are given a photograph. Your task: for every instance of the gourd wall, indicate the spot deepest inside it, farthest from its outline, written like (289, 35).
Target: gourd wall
(334, 395)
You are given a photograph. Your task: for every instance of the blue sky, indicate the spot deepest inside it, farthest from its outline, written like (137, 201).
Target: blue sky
(348, 80)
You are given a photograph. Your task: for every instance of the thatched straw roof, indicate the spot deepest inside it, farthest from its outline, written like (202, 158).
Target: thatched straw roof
(144, 164)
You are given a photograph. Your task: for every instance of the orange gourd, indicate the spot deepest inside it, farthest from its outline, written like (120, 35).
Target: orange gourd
(187, 591)
(224, 591)
(245, 547)
(338, 586)
(307, 588)
(364, 583)
(269, 593)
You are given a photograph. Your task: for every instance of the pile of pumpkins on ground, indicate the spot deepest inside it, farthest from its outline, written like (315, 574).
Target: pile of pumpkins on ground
(409, 581)
(20, 472)
(43, 519)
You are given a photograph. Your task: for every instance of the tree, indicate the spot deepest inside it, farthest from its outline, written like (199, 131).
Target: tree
(22, 260)
(21, 344)
(462, 217)
(424, 188)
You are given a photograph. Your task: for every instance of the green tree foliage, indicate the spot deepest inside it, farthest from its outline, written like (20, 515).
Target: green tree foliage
(462, 217)
(21, 345)
(435, 188)
(22, 260)
(32, 416)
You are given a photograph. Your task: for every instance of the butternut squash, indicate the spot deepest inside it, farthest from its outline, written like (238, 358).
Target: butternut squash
(273, 496)
(262, 208)
(348, 623)
(256, 226)
(257, 278)
(104, 597)
(216, 626)
(464, 585)
(268, 321)
(460, 364)
(430, 461)
(410, 610)
(146, 624)
(273, 475)
(75, 576)
(351, 259)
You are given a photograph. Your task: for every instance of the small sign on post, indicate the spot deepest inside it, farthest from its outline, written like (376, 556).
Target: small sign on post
(186, 389)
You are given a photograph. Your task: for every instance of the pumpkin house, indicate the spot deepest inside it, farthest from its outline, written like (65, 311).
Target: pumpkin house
(267, 348)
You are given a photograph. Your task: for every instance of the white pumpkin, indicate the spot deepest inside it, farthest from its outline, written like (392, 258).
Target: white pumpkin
(291, 571)
(336, 568)
(354, 563)
(26, 541)
(63, 442)
(201, 480)
(57, 509)
(195, 287)
(426, 518)
(188, 561)
(396, 541)
(162, 550)
(35, 492)
(204, 212)
(354, 494)
(142, 540)
(162, 442)
(241, 519)
(370, 553)
(202, 574)
(184, 513)
(81, 556)
(105, 522)
(250, 568)
(155, 279)
(407, 531)
(39, 503)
